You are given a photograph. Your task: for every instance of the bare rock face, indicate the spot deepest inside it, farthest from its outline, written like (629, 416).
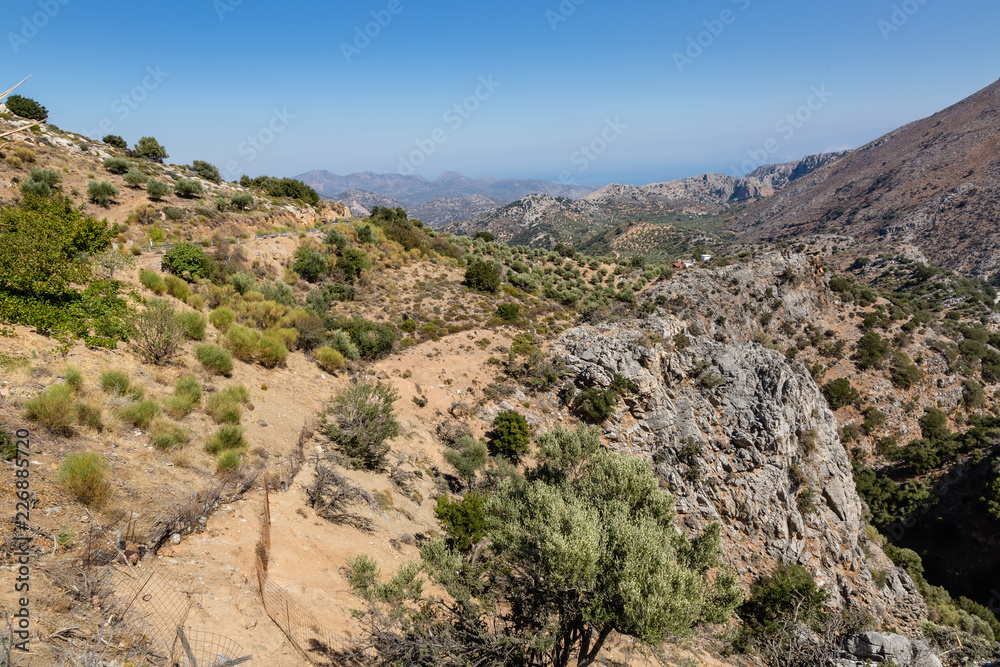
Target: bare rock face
(887, 648)
(742, 436)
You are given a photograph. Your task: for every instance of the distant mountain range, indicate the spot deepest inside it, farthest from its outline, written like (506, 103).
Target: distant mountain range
(542, 220)
(934, 183)
(448, 198)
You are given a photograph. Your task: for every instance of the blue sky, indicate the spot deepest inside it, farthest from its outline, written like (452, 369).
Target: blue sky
(652, 90)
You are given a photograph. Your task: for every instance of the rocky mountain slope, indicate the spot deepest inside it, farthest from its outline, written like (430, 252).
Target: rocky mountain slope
(439, 211)
(543, 221)
(934, 183)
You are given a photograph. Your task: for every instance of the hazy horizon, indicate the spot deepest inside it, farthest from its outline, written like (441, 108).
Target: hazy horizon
(568, 90)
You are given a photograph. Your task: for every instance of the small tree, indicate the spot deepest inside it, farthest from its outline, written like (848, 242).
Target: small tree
(242, 201)
(511, 435)
(101, 192)
(206, 170)
(136, 179)
(113, 260)
(485, 236)
(187, 261)
(118, 165)
(467, 458)
(186, 187)
(482, 276)
(115, 141)
(157, 190)
(25, 107)
(156, 333)
(150, 148)
(310, 264)
(352, 263)
(361, 420)
(839, 393)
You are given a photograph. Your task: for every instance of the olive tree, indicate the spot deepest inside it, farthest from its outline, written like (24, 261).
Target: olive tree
(582, 547)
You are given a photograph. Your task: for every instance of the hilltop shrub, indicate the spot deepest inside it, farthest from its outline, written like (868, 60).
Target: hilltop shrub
(54, 409)
(117, 165)
(115, 141)
(511, 435)
(214, 358)
(85, 476)
(361, 420)
(222, 318)
(187, 261)
(101, 192)
(156, 333)
(462, 521)
(192, 324)
(151, 149)
(188, 188)
(157, 190)
(482, 276)
(282, 187)
(25, 107)
(206, 170)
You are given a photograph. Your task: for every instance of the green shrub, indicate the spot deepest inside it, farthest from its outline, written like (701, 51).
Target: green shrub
(462, 521)
(243, 282)
(90, 415)
(192, 324)
(329, 359)
(136, 179)
(189, 188)
(352, 263)
(840, 393)
(366, 234)
(229, 460)
(214, 358)
(101, 192)
(242, 201)
(25, 107)
(242, 342)
(115, 141)
(228, 437)
(8, 445)
(206, 170)
(49, 177)
(788, 594)
(157, 190)
(85, 476)
(279, 292)
(871, 351)
(74, 378)
(904, 374)
(36, 188)
(595, 405)
(187, 261)
(310, 264)
(140, 414)
(150, 148)
(335, 238)
(168, 436)
(482, 276)
(177, 288)
(511, 435)
(509, 312)
(152, 281)
(224, 408)
(118, 165)
(371, 339)
(222, 318)
(361, 420)
(270, 352)
(155, 332)
(467, 457)
(118, 383)
(341, 342)
(53, 409)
